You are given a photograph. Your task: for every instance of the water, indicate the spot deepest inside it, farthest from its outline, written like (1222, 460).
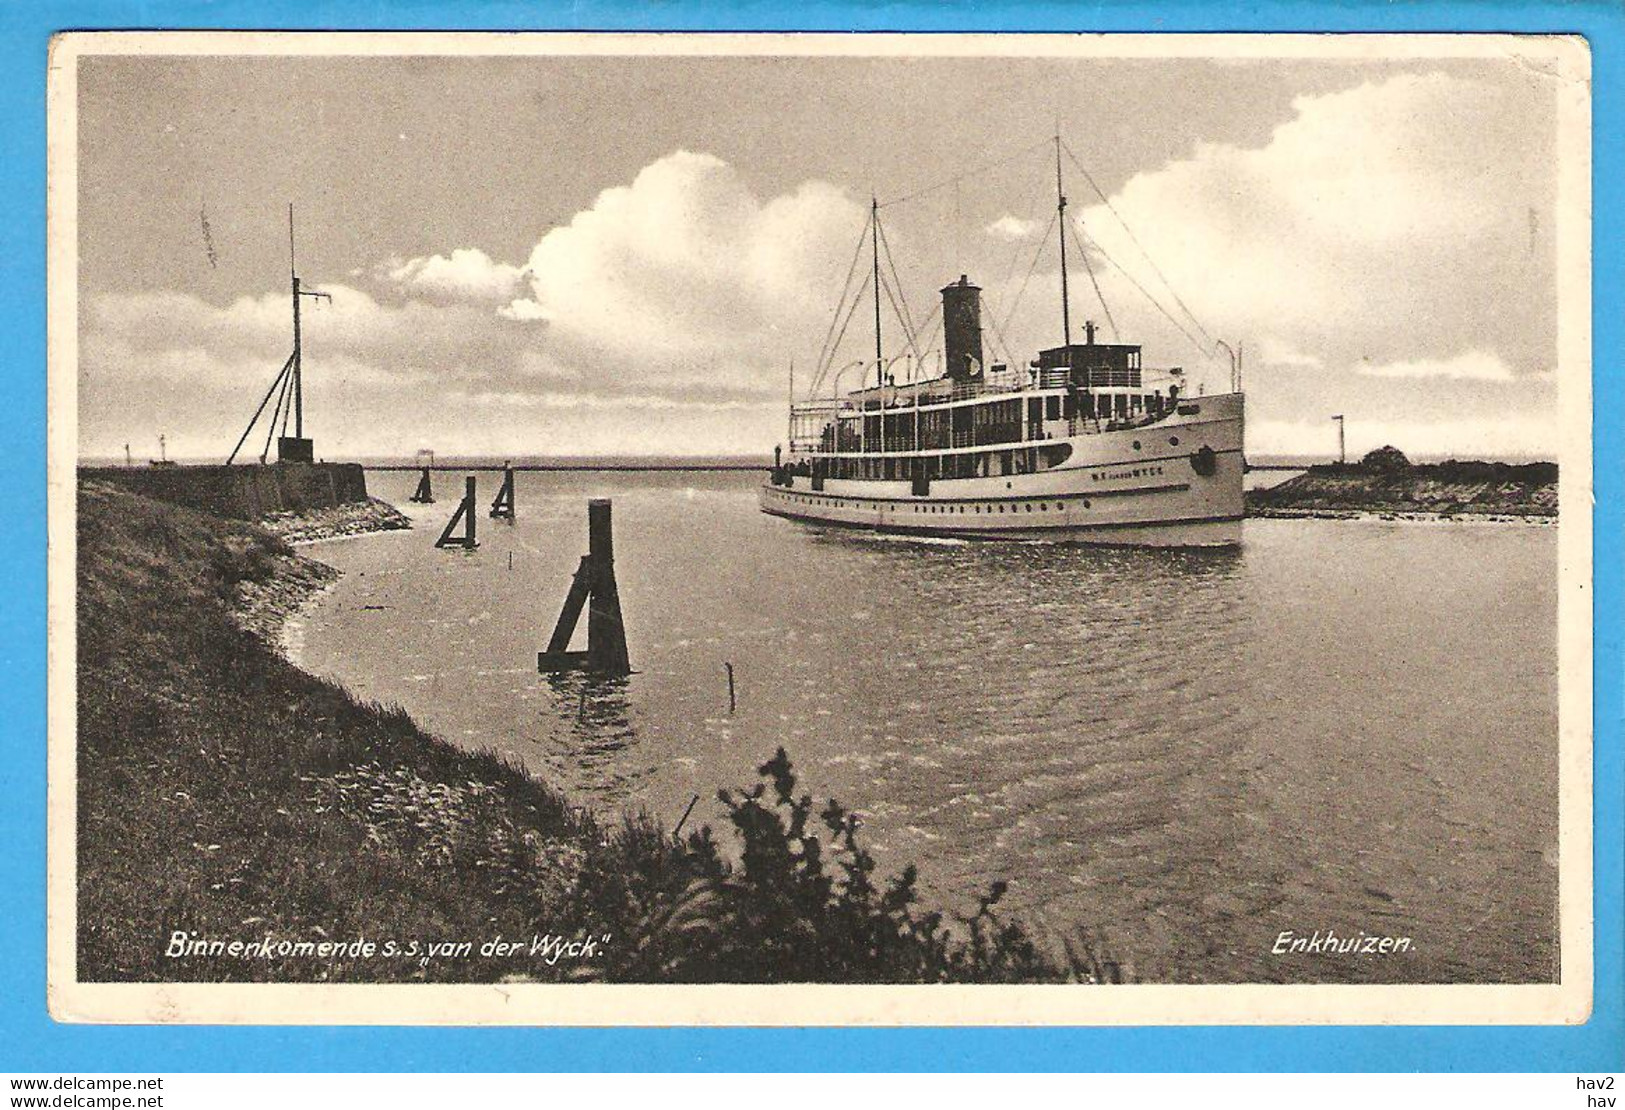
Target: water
(1347, 725)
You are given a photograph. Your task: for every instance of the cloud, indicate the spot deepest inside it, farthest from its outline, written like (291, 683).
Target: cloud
(585, 424)
(522, 309)
(671, 307)
(613, 404)
(1477, 365)
(466, 273)
(147, 335)
(687, 277)
(683, 282)
(1012, 228)
(539, 365)
(1397, 230)
(1274, 351)
(1394, 224)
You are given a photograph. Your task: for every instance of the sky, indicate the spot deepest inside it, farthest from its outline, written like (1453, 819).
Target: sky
(633, 255)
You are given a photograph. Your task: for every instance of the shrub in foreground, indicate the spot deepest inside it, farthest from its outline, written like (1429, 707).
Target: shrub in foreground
(800, 903)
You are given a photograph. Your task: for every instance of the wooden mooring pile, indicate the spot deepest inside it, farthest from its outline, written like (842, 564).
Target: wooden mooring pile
(464, 516)
(424, 494)
(502, 508)
(594, 589)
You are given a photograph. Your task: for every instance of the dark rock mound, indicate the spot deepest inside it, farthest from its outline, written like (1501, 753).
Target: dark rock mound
(1386, 460)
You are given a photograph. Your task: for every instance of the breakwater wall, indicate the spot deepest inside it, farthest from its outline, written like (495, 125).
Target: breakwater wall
(243, 492)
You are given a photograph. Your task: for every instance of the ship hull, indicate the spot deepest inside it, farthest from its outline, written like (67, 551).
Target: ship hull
(1176, 483)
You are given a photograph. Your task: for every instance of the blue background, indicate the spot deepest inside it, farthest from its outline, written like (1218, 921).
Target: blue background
(30, 1041)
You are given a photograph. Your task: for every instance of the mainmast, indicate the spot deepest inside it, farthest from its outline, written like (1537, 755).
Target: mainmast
(874, 236)
(1066, 305)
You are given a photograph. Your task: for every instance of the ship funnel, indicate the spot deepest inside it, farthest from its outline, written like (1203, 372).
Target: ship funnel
(962, 329)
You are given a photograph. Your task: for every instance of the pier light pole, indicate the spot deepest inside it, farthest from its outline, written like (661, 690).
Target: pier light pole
(1342, 455)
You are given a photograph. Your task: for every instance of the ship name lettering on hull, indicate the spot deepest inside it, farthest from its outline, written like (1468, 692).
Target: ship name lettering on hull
(1136, 472)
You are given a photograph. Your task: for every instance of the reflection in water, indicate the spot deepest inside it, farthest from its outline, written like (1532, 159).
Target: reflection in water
(1342, 725)
(594, 715)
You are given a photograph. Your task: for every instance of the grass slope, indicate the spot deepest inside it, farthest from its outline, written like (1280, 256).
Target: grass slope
(222, 791)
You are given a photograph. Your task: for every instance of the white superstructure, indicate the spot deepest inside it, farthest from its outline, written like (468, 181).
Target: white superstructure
(1083, 444)
(1171, 476)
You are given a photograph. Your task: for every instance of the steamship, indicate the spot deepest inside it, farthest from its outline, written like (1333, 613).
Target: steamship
(1081, 445)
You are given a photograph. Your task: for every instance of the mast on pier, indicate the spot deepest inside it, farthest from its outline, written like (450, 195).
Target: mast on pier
(288, 387)
(297, 448)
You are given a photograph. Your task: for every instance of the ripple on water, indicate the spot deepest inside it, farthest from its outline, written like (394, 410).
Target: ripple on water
(1176, 754)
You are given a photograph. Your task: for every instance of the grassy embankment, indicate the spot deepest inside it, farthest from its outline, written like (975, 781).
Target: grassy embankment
(226, 792)
(1460, 490)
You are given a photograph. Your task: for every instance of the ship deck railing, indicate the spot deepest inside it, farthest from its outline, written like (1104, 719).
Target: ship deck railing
(1001, 386)
(963, 441)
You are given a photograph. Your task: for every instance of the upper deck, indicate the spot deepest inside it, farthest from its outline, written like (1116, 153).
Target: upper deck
(1101, 390)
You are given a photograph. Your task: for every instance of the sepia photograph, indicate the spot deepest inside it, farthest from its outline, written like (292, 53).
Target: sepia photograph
(807, 529)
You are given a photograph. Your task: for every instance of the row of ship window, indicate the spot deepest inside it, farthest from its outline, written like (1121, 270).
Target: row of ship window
(980, 464)
(999, 507)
